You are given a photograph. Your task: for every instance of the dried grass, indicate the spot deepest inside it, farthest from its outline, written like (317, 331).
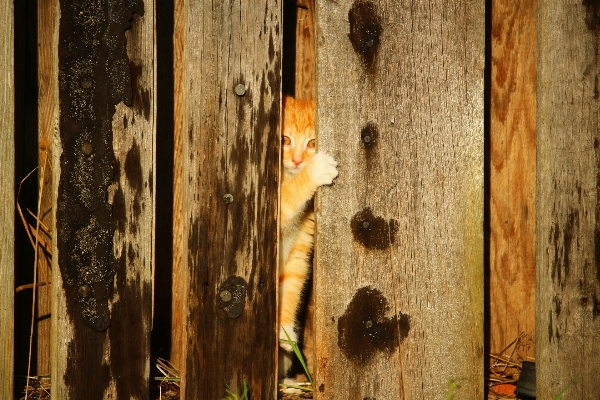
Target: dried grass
(505, 368)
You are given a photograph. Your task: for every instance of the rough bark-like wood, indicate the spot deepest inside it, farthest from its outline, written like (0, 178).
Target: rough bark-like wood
(7, 203)
(399, 302)
(230, 145)
(115, 363)
(46, 125)
(568, 194)
(512, 175)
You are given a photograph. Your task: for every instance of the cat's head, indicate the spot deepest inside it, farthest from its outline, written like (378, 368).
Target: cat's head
(298, 140)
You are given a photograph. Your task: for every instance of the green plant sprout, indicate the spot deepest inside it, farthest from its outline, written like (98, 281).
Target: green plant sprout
(453, 386)
(299, 355)
(560, 394)
(234, 396)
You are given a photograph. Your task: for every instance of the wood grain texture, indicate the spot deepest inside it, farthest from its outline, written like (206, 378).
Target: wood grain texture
(180, 274)
(568, 194)
(47, 123)
(115, 363)
(304, 87)
(399, 301)
(512, 174)
(230, 145)
(7, 203)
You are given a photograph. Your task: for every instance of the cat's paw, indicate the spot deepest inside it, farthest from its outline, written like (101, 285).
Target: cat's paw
(323, 169)
(285, 345)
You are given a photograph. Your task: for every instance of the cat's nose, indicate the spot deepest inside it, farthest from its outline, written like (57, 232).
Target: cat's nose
(297, 161)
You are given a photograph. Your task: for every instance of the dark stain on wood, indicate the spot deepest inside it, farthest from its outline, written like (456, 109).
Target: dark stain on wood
(550, 328)
(129, 358)
(93, 77)
(232, 296)
(133, 173)
(365, 31)
(562, 247)
(373, 232)
(557, 304)
(364, 330)
(592, 14)
(141, 95)
(369, 135)
(404, 326)
(597, 212)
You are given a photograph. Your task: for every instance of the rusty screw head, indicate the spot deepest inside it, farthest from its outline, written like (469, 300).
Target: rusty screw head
(240, 89)
(228, 198)
(86, 83)
(84, 290)
(87, 148)
(365, 225)
(226, 296)
(366, 139)
(369, 324)
(370, 43)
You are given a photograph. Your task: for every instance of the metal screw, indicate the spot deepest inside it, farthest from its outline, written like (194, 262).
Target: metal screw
(240, 89)
(228, 198)
(366, 139)
(84, 290)
(370, 43)
(226, 296)
(86, 83)
(366, 225)
(369, 324)
(87, 148)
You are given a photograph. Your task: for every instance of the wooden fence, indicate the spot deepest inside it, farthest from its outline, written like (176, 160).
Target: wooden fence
(155, 127)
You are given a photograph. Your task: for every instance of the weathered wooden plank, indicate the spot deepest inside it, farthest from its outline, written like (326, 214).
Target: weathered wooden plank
(399, 251)
(180, 273)
(109, 357)
(230, 146)
(512, 174)
(47, 124)
(7, 203)
(568, 194)
(304, 87)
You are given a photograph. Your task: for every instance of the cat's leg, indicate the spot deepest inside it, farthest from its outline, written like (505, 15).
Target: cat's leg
(291, 283)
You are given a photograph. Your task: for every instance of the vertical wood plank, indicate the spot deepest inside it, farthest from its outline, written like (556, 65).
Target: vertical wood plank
(230, 145)
(512, 174)
(47, 123)
(568, 194)
(7, 203)
(115, 362)
(399, 250)
(181, 278)
(304, 87)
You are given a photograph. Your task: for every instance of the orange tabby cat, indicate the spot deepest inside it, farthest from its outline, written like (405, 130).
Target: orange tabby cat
(304, 170)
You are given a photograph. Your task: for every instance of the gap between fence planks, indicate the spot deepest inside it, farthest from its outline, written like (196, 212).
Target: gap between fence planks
(7, 196)
(567, 195)
(229, 141)
(512, 174)
(399, 250)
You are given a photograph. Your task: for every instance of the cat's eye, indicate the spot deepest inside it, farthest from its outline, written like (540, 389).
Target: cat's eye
(311, 144)
(286, 141)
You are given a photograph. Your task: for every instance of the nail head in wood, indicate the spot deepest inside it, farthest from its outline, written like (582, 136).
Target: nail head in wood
(84, 290)
(87, 148)
(240, 89)
(228, 198)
